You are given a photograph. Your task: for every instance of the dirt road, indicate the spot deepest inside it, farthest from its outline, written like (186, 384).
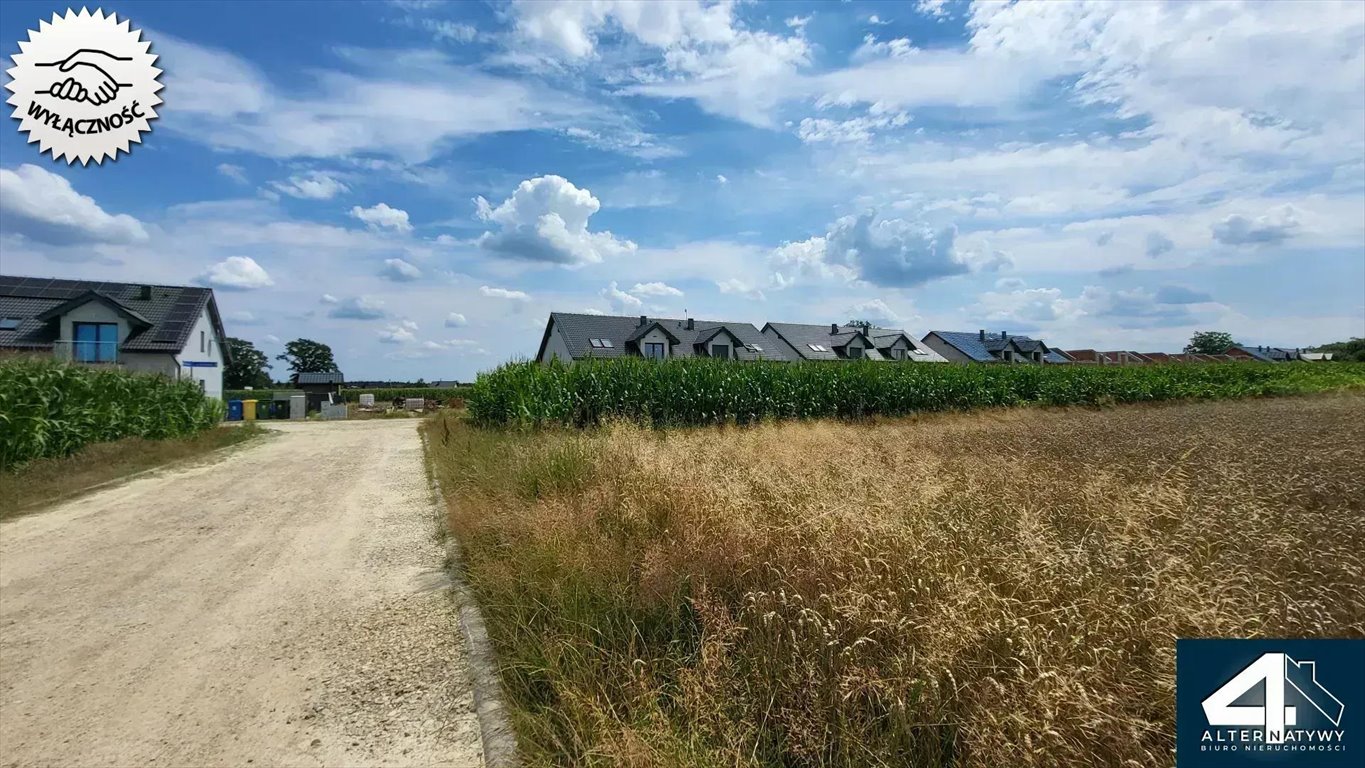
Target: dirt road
(282, 604)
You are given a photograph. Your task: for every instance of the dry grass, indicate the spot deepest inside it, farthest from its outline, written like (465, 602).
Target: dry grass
(44, 481)
(998, 588)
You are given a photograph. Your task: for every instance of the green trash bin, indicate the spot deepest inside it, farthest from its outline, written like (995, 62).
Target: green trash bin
(262, 409)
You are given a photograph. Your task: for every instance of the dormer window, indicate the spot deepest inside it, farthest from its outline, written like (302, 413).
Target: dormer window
(899, 354)
(720, 350)
(654, 350)
(855, 353)
(1009, 356)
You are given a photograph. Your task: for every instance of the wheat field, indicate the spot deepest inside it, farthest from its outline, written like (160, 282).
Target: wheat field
(997, 588)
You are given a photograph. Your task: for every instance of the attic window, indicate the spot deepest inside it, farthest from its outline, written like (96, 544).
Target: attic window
(753, 347)
(818, 347)
(8, 323)
(918, 352)
(600, 343)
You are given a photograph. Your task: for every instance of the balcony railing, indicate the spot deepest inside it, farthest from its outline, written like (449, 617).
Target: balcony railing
(87, 352)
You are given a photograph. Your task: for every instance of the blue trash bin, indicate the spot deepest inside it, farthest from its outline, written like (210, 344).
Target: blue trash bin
(234, 410)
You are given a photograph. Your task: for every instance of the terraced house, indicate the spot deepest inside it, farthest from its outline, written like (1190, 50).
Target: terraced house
(849, 342)
(569, 337)
(167, 329)
(983, 347)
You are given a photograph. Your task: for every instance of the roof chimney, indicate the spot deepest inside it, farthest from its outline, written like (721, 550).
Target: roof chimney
(1004, 335)
(144, 292)
(981, 334)
(643, 319)
(833, 328)
(691, 325)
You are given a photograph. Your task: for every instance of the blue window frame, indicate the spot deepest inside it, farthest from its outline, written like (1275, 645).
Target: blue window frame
(95, 342)
(654, 351)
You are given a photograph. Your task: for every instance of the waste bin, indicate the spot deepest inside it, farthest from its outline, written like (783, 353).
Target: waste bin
(297, 406)
(279, 409)
(249, 410)
(263, 409)
(234, 412)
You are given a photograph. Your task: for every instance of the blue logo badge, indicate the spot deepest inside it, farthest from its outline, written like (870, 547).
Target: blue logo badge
(1269, 703)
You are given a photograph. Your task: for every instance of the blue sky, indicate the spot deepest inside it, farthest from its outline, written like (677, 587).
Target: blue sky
(417, 184)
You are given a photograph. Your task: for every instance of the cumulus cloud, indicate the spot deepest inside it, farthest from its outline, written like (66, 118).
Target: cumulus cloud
(42, 206)
(1272, 228)
(546, 220)
(382, 216)
(403, 332)
(456, 320)
(1158, 244)
(655, 289)
(241, 317)
(236, 273)
(400, 271)
(1135, 308)
(874, 311)
(890, 252)
(503, 293)
(358, 308)
(736, 287)
(328, 298)
(620, 301)
(313, 186)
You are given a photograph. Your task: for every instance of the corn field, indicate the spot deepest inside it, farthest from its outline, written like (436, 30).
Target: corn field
(49, 409)
(687, 392)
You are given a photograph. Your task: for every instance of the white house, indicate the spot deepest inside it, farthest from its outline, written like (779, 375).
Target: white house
(172, 330)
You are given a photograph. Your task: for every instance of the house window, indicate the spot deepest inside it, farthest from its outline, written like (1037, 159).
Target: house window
(600, 343)
(654, 350)
(201, 342)
(855, 353)
(8, 323)
(720, 350)
(95, 342)
(1009, 356)
(899, 354)
(818, 347)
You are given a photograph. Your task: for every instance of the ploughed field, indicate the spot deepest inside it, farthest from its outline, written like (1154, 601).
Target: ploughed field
(1002, 587)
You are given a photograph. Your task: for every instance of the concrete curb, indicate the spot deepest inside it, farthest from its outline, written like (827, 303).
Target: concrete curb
(499, 741)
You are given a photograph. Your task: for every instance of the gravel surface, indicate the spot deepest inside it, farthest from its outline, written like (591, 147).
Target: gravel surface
(279, 604)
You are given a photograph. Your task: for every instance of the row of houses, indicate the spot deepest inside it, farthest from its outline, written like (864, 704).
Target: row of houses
(571, 336)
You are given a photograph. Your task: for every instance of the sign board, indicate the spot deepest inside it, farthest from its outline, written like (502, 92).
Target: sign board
(200, 364)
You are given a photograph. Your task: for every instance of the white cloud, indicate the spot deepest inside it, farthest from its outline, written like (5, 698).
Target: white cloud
(884, 252)
(720, 179)
(328, 298)
(1274, 227)
(622, 303)
(241, 317)
(738, 287)
(655, 289)
(358, 308)
(381, 216)
(504, 293)
(235, 172)
(875, 311)
(236, 273)
(314, 185)
(405, 104)
(858, 129)
(546, 220)
(400, 271)
(403, 332)
(42, 206)
(456, 320)
(932, 8)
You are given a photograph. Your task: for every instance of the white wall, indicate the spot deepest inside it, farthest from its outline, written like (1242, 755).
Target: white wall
(725, 340)
(162, 363)
(211, 351)
(655, 336)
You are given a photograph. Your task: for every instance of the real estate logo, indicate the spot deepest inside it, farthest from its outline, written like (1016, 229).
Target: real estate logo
(1270, 703)
(84, 86)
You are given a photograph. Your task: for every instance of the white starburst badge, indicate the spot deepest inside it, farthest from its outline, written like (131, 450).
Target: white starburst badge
(84, 86)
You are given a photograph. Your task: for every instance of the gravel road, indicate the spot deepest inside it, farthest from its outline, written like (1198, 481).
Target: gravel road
(280, 604)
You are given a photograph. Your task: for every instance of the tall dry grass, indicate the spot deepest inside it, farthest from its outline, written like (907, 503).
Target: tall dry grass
(999, 588)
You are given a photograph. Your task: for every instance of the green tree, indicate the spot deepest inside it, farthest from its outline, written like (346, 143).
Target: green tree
(1352, 351)
(249, 367)
(308, 356)
(1210, 343)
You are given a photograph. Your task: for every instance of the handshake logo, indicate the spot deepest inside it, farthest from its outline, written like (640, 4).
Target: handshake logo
(84, 86)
